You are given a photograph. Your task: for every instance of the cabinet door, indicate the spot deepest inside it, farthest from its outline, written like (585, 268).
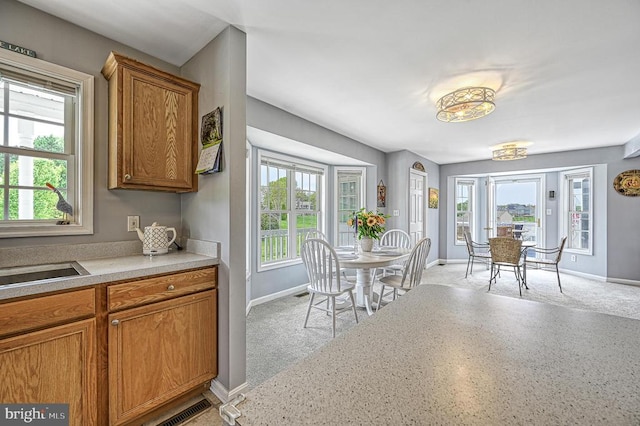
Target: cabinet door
(160, 351)
(157, 132)
(56, 365)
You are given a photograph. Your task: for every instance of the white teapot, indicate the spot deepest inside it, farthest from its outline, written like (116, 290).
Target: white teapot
(155, 239)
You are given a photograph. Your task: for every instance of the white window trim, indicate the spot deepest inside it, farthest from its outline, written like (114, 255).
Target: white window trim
(564, 197)
(321, 193)
(84, 167)
(363, 192)
(472, 217)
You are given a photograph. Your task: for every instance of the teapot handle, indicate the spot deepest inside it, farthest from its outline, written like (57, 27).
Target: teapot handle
(174, 236)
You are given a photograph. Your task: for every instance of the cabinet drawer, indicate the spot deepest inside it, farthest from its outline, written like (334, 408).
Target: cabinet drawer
(31, 314)
(136, 293)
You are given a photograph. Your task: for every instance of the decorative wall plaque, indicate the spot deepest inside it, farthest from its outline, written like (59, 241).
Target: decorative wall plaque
(628, 183)
(418, 166)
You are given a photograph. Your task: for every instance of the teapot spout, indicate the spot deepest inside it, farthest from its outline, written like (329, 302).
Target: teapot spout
(140, 234)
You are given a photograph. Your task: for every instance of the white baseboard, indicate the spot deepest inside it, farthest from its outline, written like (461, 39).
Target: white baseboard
(269, 297)
(451, 261)
(223, 394)
(623, 281)
(434, 263)
(584, 275)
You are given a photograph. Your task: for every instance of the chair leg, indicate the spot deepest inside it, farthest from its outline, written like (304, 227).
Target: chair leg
(491, 277)
(524, 277)
(558, 274)
(472, 258)
(469, 262)
(333, 316)
(518, 276)
(380, 298)
(308, 310)
(353, 305)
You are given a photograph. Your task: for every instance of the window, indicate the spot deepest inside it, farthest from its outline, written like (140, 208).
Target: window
(350, 197)
(290, 206)
(46, 136)
(577, 201)
(464, 200)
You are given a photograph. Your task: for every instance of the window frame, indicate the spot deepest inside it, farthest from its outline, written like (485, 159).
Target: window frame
(566, 178)
(472, 201)
(291, 210)
(362, 195)
(80, 173)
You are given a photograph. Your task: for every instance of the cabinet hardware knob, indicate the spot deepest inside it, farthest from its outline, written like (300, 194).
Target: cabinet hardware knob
(115, 322)
(127, 177)
(171, 287)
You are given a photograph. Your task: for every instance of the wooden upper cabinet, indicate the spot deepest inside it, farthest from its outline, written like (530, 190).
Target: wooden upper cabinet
(153, 127)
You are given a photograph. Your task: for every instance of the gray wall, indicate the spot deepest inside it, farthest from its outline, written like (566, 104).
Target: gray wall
(63, 43)
(399, 164)
(613, 213)
(217, 211)
(269, 118)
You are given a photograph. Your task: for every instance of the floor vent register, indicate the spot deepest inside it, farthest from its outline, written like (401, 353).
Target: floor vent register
(187, 413)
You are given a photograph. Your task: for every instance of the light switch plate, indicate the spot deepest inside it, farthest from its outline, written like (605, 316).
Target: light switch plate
(548, 212)
(396, 212)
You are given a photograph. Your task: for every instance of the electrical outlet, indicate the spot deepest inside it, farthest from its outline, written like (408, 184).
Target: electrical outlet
(573, 258)
(133, 222)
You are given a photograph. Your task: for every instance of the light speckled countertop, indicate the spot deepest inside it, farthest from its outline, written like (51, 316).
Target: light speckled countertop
(130, 264)
(443, 355)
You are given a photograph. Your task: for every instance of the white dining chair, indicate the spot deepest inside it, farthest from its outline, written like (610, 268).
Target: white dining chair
(395, 238)
(321, 260)
(316, 234)
(412, 273)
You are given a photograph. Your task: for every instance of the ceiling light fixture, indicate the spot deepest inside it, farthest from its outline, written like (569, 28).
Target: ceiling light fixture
(510, 151)
(465, 104)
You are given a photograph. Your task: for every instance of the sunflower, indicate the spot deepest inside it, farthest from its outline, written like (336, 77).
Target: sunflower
(371, 221)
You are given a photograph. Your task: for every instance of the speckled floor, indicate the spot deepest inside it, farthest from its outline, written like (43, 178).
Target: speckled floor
(276, 339)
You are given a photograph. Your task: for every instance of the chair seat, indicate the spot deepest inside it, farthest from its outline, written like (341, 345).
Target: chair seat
(344, 287)
(541, 261)
(482, 255)
(394, 281)
(511, 265)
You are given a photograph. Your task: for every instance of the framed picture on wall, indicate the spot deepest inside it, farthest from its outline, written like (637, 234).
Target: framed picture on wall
(382, 194)
(433, 198)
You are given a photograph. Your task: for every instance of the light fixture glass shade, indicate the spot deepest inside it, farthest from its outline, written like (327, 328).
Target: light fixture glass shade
(509, 152)
(465, 104)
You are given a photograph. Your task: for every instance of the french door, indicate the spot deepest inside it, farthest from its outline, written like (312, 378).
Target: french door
(515, 207)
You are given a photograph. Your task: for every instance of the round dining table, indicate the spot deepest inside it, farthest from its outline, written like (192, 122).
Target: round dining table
(363, 263)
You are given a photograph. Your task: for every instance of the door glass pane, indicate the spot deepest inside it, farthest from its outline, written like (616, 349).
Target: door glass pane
(349, 200)
(517, 209)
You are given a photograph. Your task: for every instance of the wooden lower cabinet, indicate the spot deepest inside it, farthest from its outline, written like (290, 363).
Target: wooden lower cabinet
(159, 351)
(54, 365)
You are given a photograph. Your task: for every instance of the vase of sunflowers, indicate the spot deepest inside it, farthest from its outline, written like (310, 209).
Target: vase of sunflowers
(368, 226)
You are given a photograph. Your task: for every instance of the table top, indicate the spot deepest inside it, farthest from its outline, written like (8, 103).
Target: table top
(444, 355)
(383, 256)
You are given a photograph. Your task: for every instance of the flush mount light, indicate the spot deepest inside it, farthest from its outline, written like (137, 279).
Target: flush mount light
(510, 151)
(465, 104)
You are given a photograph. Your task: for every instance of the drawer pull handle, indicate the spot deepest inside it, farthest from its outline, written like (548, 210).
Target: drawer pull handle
(171, 287)
(127, 177)
(115, 322)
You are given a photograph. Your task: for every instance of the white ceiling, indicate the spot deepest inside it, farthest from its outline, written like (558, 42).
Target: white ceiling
(566, 73)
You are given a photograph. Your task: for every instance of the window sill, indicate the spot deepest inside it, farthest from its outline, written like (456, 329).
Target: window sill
(13, 231)
(279, 265)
